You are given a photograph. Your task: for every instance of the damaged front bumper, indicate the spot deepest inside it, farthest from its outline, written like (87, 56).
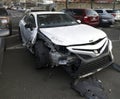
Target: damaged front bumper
(82, 68)
(82, 65)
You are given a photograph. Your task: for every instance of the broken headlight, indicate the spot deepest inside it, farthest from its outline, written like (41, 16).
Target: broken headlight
(61, 49)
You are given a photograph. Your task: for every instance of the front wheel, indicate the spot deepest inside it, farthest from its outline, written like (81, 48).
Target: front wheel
(41, 54)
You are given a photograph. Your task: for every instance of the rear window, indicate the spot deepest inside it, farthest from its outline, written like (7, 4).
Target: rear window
(78, 12)
(117, 11)
(110, 11)
(99, 11)
(91, 12)
(3, 12)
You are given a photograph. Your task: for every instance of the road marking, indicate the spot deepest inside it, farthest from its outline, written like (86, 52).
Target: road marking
(19, 46)
(15, 30)
(115, 40)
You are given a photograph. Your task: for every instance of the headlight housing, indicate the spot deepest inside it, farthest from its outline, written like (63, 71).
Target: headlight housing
(61, 49)
(4, 23)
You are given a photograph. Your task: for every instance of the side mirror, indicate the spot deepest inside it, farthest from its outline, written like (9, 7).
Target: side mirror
(79, 21)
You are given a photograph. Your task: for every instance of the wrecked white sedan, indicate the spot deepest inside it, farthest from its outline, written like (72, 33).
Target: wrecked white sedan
(57, 39)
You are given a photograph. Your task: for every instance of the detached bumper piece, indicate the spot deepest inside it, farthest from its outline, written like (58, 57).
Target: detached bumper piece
(90, 88)
(116, 67)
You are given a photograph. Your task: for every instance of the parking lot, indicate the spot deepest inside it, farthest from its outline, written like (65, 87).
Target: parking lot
(20, 79)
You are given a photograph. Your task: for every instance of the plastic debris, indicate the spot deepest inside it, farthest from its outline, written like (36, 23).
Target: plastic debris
(116, 67)
(90, 88)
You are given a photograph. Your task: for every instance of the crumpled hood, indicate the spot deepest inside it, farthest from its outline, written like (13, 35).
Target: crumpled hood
(72, 35)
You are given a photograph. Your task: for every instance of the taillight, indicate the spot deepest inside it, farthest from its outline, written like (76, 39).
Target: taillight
(86, 19)
(114, 14)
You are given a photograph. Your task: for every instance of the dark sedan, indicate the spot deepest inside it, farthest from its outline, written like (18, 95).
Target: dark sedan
(5, 30)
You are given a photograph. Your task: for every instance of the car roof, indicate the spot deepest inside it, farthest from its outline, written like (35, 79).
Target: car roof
(46, 12)
(78, 8)
(103, 9)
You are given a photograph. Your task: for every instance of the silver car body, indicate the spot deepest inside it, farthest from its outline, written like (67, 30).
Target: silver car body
(90, 46)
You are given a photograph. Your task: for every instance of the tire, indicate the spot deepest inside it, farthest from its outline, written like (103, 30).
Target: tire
(10, 28)
(20, 37)
(41, 54)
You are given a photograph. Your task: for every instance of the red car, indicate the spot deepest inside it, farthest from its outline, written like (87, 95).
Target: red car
(87, 16)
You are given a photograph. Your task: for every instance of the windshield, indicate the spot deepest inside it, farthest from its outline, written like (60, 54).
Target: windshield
(110, 11)
(91, 12)
(55, 20)
(99, 11)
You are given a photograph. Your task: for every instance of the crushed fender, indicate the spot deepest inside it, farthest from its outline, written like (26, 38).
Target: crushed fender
(90, 88)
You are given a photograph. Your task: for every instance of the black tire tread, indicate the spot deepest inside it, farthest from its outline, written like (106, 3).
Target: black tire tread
(41, 54)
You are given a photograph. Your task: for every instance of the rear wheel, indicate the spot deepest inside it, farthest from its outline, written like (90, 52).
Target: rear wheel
(41, 54)
(10, 29)
(20, 37)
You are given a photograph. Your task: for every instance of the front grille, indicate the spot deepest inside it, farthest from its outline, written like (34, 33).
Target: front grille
(106, 49)
(85, 56)
(94, 65)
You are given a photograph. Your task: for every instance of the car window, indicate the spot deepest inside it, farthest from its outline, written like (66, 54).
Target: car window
(32, 20)
(3, 12)
(29, 19)
(91, 12)
(26, 18)
(109, 11)
(116, 11)
(99, 11)
(68, 12)
(78, 12)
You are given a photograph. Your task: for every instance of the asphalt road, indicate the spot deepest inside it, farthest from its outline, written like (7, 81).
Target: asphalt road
(20, 79)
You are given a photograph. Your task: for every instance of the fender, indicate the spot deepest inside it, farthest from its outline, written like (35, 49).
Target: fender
(48, 42)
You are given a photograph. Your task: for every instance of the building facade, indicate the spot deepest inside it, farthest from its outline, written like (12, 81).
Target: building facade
(86, 1)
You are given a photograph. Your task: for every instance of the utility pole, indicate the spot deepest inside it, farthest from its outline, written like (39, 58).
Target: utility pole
(91, 4)
(114, 4)
(66, 4)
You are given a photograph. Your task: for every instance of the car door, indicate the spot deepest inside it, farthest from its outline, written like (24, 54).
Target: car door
(29, 30)
(22, 24)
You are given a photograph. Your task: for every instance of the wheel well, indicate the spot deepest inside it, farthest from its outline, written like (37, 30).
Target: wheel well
(42, 40)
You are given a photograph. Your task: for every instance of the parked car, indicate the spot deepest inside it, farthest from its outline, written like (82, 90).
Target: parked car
(5, 21)
(57, 39)
(5, 30)
(105, 17)
(87, 16)
(115, 13)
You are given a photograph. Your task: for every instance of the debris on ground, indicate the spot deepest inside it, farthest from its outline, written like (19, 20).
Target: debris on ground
(116, 67)
(90, 88)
